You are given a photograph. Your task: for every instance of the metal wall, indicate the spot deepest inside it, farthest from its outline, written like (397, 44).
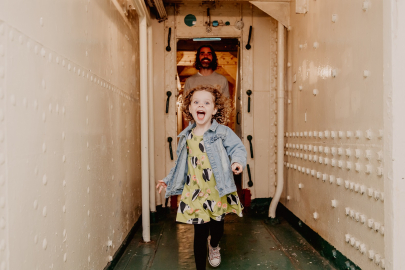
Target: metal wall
(334, 129)
(69, 132)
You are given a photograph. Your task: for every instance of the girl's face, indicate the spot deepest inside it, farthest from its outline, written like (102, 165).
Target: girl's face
(202, 107)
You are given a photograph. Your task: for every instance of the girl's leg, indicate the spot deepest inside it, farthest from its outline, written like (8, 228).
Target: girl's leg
(216, 231)
(200, 244)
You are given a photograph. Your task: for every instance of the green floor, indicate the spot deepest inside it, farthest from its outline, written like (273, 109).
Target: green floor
(248, 243)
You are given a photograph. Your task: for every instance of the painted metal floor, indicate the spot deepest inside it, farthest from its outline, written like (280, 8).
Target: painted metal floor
(248, 243)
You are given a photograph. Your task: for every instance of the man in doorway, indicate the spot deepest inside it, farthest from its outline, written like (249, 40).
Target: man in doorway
(206, 62)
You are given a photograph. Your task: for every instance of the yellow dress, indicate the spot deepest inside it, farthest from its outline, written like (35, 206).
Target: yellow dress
(200, 199)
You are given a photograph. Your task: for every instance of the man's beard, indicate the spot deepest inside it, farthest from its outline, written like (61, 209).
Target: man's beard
(206, 65)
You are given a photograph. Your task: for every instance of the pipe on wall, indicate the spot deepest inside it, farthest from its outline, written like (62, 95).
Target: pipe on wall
(144, 21)
(152, 191)
(280, 120)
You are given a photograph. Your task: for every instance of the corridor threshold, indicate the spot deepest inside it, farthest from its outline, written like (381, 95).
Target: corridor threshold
(248, 243)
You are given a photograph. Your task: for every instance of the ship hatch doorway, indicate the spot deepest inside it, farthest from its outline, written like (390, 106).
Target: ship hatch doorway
(228, 54)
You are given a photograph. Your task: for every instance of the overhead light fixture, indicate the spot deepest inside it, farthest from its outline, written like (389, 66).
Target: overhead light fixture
(207, 39)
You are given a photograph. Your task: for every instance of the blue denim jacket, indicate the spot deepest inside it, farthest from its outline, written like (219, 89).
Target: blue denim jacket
(223, 148)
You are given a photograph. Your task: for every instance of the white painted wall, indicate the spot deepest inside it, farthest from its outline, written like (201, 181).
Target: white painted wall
(352, 48)
(69, 132)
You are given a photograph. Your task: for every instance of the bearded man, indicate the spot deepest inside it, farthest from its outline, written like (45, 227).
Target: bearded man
(206, 62)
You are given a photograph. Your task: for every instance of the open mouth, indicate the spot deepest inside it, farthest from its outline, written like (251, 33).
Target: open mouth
(200, 115)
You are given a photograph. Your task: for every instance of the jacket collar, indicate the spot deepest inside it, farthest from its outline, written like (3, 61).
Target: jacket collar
(185, 132)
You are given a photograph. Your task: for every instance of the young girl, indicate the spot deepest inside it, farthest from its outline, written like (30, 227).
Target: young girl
(208, 152)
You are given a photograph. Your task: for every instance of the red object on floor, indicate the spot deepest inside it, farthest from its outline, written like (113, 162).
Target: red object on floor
(246, 197)
(173, 202)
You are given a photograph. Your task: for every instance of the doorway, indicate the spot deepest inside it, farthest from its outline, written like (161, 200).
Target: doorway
(227, 50)
(228, 54)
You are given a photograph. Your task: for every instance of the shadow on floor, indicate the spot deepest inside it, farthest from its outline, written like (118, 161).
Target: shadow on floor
(248, 243)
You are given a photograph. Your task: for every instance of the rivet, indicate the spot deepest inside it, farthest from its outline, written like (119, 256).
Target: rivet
(43, 147)
(352, 241)
(315, 92)
(333, 134)
(57, 59)
(382, 230)
(300, 186)
(288, 198)
(69, 67)
(88, 190)
(65, 257)
(44, 180)
(316, 215)
(333, 151)
(44, 211)
(362, 189)
(63, 135)
(64, 158)
(340, 164)
(379, 171)
(371, 254)
(35, 204)
(308, 171)
(64, 209)
(380, 133)
(300, 87)
(334, 17)
(347, 238)
(88, 258)
(315, 148)
(357, 216)
(369, 134)
(349, 134)
(324, 177)
(369, 168)
(351, 186)
(339, 181)
(366, 5)
(366, 73)
(370, 223)
(340, 151)
(63, 62)
(327, 134)
(36, 239)
(44, 244)
(356, 187)
(334, 73)
(334, 203)
(377, 259)
(64, 183)
(331, 179)
(43, 52)
(347, 184)
(379, 155)
(348, 165)
(88, 212)
(41, 21)
(376, 195)
(357, 244)
(36, 49)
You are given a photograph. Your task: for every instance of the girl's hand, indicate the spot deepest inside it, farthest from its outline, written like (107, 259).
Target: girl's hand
(161, 185)
(236, 168)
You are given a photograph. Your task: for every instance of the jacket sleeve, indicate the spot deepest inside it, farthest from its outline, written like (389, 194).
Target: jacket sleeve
(235, 148)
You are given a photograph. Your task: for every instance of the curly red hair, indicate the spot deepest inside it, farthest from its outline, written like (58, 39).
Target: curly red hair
(222, 104)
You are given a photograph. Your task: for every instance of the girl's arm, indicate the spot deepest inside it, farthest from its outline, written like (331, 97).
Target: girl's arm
(235, 148)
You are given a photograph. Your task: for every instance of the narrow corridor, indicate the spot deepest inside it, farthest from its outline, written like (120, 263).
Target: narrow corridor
(248, 243)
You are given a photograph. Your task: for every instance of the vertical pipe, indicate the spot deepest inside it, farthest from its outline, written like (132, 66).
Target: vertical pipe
(143, 49)
(152, 190)
(280, 120)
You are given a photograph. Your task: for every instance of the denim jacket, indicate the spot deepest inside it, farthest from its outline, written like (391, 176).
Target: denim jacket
(223, 148)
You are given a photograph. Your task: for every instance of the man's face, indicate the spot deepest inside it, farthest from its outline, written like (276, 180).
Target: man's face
(205, 57)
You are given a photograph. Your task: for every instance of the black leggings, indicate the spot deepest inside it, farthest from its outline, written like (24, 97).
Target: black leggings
(201, 232)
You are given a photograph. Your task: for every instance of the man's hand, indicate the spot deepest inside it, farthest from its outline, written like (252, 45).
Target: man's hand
(236, 168)
(161, 185)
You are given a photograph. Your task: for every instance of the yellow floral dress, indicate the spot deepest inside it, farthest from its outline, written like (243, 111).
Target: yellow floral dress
(200, 199)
